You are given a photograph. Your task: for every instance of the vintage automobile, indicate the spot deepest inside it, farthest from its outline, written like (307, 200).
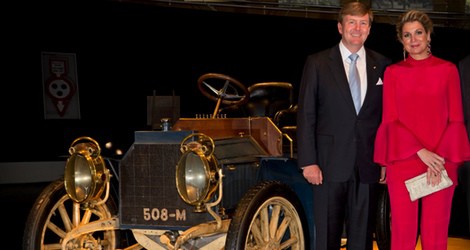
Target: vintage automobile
(210, 182)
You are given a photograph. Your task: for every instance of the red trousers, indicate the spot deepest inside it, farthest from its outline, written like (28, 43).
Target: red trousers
(435, 209)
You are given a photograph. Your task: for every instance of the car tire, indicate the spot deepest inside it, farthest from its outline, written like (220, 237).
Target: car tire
(51, 218)
(269, 216)
(382, 231)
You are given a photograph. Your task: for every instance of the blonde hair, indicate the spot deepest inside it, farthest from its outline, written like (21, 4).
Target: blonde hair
(412, 16)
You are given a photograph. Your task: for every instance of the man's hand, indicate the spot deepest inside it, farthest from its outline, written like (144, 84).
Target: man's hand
(313, 174)
(383, 175)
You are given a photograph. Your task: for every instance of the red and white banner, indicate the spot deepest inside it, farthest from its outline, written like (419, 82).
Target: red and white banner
(60, 85)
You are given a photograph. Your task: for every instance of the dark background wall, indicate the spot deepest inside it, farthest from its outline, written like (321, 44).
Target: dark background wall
(125, 52)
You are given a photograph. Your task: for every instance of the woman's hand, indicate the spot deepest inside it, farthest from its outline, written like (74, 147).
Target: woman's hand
(432, 178)
(435, 165)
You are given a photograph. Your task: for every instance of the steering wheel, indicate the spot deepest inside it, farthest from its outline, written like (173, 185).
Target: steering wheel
(223, 89)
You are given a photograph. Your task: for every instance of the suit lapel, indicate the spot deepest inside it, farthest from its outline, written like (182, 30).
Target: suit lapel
(337, 69)
(372, 78)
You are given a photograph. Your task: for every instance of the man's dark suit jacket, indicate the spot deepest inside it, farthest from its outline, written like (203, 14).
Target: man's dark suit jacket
(464, 171)
(464, 69)
(329, 133)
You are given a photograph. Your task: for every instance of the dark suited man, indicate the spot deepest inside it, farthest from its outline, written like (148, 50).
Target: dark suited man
(335, 144)
(464, 171)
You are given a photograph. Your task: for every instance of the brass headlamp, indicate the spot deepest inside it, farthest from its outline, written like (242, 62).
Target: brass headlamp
(85, 173)
(197, 171)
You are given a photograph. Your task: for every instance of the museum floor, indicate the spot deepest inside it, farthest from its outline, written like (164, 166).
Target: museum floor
(453, 244)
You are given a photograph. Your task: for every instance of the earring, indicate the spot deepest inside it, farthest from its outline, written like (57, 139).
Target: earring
(429, 47)
(404, 54)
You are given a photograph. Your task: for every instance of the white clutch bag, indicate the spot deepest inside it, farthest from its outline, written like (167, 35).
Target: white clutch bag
(418, 187)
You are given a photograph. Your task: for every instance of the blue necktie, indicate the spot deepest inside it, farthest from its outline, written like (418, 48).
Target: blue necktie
(354, 82)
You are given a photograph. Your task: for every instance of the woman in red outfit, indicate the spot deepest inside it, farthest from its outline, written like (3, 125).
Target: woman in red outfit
(422, 131)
